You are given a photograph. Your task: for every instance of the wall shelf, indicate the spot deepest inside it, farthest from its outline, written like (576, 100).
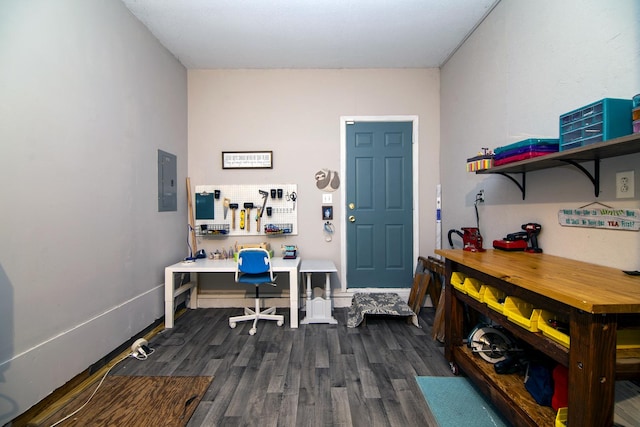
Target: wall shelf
(629, 144)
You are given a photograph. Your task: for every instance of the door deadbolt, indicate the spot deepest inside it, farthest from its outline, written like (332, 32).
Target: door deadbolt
(352, 218)
(352, 206)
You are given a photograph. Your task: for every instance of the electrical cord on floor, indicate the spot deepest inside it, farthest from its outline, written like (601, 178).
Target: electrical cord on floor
(143, 353)
(142, 356)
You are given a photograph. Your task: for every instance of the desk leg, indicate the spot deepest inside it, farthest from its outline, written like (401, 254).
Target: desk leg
(193, 294)
(169, 286)
(308, 291)
(293, 297)
(327, 296)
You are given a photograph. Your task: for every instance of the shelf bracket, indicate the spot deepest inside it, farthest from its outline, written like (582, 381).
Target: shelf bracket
(522, 186)
(595, 178)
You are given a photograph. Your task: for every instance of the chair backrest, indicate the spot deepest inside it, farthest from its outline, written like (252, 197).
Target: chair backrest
(254, 261)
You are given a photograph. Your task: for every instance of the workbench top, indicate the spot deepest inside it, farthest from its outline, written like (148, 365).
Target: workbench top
(589, 287)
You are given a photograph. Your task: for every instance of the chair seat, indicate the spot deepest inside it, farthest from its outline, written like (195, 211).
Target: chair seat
(256, 279)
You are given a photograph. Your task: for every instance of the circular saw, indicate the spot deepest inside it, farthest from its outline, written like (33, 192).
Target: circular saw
(490, 343)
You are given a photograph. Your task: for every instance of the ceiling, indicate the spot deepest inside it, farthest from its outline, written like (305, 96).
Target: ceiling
(311, 33)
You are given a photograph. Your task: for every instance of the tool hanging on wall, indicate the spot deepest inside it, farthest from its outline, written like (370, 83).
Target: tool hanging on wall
(258, 216)
(328, 229)
(225, 204)
(248, 206)
(233, 207)
(292, 197)
(242, 216)
(265, 196)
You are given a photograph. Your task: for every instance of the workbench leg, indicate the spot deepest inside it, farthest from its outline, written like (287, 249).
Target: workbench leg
(454, 316)
(592, 368)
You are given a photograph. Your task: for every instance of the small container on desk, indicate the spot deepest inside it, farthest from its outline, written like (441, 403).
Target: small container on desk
(289, 251)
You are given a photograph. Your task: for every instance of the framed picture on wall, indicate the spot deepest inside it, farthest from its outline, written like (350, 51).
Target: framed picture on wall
(247, 160)
(327, 213)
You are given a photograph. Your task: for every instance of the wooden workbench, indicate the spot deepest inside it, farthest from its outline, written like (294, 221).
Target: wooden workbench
(596, 299)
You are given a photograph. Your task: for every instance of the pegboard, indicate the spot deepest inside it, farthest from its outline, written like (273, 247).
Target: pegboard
(213, 218)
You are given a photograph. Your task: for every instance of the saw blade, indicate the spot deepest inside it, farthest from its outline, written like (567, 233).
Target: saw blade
(491, 344)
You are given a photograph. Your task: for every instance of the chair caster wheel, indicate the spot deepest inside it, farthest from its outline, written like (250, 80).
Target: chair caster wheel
(232, 325)
(280, 322)
(252, 331)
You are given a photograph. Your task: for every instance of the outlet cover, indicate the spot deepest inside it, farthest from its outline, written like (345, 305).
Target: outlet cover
(327, 198)
(625, 185)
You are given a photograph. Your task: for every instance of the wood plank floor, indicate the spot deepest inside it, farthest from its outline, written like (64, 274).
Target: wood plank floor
(317, 375)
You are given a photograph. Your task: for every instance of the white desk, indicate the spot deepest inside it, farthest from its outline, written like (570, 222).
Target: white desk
(318, 308)
(205, 265)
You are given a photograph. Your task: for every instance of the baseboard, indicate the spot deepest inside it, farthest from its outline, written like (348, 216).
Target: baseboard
(32, 375)
(226, 299)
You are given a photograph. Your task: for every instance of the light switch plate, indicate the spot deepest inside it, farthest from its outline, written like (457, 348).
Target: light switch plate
(327, 198)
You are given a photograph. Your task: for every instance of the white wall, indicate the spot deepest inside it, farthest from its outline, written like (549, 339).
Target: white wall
(296, 113)
(526, 64)
(88, 97)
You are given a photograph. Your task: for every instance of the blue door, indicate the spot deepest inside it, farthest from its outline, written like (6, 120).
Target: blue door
(379, 207)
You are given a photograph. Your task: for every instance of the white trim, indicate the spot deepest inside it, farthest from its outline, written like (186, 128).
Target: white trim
(81, 345)
(343, 194)
(81, 325)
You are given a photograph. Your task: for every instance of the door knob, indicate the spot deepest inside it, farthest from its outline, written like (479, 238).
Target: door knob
(352, 218)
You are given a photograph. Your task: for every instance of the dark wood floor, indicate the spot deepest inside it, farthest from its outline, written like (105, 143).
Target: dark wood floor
(317, 375)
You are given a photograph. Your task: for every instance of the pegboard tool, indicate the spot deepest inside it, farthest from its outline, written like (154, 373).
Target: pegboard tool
(233, 207)
(265, 196)
(248, 206)
(258, 216)
(225, 204)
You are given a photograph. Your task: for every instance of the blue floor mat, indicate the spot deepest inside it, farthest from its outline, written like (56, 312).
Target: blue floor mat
(455, 402)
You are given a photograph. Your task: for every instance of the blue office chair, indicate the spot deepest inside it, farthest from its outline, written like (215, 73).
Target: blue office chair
(254, 268)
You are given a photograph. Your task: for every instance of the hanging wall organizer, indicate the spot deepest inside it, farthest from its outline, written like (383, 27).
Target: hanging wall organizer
(235, 210)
